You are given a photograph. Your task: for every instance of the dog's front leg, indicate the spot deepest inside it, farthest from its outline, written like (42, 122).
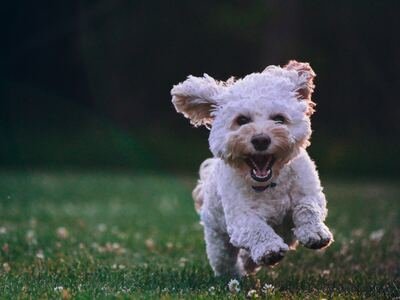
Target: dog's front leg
(308, 218)
(309, 206)
(249, 231)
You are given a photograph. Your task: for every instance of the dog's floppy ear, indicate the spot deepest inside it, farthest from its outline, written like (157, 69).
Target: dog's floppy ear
(195, 98)
(306, 85)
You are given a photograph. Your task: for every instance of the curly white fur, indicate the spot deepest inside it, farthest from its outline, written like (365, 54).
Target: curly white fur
(245, 227)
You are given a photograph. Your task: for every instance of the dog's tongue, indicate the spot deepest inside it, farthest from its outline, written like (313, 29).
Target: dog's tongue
(261, 164)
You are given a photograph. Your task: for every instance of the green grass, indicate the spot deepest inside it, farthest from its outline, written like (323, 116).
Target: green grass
(130, 236)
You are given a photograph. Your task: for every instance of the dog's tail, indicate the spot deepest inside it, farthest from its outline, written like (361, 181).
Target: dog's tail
(198, 192)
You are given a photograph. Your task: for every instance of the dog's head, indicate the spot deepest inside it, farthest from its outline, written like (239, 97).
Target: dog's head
(258, 123)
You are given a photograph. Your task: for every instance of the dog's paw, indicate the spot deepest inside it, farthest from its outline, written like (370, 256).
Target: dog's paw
(273, 253)
(272, 258)
(314, 236)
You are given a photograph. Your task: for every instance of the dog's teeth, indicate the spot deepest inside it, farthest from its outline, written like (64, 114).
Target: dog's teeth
(261, 176)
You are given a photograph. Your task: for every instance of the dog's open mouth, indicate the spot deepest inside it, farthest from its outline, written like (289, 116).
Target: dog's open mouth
(260, 167)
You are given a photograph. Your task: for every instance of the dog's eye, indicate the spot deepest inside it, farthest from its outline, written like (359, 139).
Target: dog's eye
(279, 119)
(241, 120)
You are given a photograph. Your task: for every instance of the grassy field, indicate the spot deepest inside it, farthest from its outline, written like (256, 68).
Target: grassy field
(115, 235)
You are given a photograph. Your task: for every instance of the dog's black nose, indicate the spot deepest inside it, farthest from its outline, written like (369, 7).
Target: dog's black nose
(261, 142)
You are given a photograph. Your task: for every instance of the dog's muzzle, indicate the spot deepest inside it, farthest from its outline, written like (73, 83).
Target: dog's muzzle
(260, 168)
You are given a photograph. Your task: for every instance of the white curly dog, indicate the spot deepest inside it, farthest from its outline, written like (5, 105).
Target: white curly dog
(261, 191)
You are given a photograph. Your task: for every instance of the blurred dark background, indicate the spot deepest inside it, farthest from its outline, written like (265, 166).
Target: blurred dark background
(85, 84)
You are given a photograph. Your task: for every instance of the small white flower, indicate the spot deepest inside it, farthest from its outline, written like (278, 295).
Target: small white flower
(252, 294)
(58, 288)
(325, 273)
(31, 237)
(101, 227)
(233, 286)
(377, 235)
(183, 261)
(6, 267)
(150, 244)
(62, 233)
(125, 290)
(211, 290)
(268, 289)
(40, 254)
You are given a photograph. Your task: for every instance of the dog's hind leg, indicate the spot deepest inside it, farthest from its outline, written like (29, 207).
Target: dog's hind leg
(222, 255)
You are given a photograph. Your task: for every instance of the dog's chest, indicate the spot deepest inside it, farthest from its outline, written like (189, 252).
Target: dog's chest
(272, 206)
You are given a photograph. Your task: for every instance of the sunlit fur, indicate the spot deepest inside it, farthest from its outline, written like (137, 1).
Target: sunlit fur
(236, 216)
